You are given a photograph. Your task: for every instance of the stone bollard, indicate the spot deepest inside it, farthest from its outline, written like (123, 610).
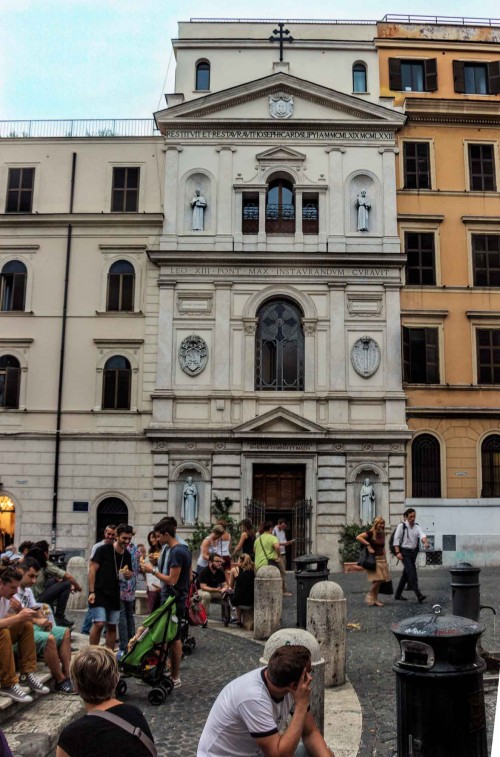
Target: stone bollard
(268, 602)
(326, 620)
(294, 636)
(79, 569)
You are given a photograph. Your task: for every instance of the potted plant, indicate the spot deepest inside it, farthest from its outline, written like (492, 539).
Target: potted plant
(349, 548)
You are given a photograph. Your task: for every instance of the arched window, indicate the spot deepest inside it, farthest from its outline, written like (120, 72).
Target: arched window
(111, 511)
(280, 207)
(279, 358)
(490, 464)
(121, 279)
(203, 75)
(10, 381)
(359, 78)
(425, 466)
(13, 286)
(116, 384)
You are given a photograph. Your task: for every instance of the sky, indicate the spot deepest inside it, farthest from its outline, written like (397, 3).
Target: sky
(113, 58)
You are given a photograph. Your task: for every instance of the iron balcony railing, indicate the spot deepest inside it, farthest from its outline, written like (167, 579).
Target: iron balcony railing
(389, 18)
(396, 18)
(70, 128)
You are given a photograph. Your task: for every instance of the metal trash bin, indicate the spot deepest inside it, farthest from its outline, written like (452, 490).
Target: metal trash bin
(465, 589)
(439, 686)
(309, 569)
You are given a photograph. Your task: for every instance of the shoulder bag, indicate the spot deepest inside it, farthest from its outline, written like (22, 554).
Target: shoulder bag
(367, 560)
(125, 726)
(270, 560)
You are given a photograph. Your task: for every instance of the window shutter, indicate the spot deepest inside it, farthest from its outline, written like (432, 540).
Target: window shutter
(459, 75)
(406, 354)
(113, 292)
(127, 292)
(432, 355)
(123, 390)
(431, 76)
(108, 390)
(494, 78)
(395, 74)
(18, 291)
(12, 376)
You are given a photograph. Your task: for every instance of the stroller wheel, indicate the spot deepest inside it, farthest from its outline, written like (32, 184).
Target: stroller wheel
(186, 648)
(157, 696)
(121, 688)
(167, 686)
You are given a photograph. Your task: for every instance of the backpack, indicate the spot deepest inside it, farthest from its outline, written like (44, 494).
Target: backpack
(392, 548)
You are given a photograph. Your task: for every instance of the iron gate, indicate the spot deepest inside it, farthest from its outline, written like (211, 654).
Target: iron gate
(255, 511)
(302, 511)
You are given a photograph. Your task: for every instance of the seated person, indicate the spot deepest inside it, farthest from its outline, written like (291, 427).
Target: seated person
(94, 672)
(16, 627)
(53, 585)
(53, 643)
(241, 581)
(249, 714)
(212, 581)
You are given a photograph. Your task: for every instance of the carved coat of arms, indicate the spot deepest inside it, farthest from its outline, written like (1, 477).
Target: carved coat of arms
(281, 105)
(365, 356)
(193, 355)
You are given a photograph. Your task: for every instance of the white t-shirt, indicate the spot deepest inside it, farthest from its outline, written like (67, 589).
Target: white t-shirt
(4, 607)
(281, 536)
(243, 711)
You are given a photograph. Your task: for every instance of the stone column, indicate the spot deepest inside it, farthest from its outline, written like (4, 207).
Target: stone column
(222, 336)
(299, 236)
(295, 637)
(393, 320)
(309, 326)
(326, 621)
(225, 189)
(262, 215)
(336, 190)
(268, 603)
(250, 327)
(390, 227)
(165, 356)
(338, 368)
(171, 188)
(79, 569)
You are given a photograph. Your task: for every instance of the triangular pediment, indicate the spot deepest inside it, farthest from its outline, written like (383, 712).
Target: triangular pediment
(280, 153)
(250, 103)
(279, 422)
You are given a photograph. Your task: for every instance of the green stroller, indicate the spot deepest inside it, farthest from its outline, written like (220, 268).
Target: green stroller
(147, 659)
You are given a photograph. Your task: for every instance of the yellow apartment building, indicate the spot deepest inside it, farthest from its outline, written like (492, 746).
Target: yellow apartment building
(446, 78)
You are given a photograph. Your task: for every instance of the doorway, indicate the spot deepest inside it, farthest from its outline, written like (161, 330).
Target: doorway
(111, 510)
(7, 522)
(280, 488)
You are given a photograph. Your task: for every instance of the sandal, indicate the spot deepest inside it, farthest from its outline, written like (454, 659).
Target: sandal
(378, 604)
(64, 687)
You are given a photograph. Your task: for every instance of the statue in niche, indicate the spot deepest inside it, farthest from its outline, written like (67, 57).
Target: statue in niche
(189, 510)
(198, 203)
(367, 502)
(363, 207)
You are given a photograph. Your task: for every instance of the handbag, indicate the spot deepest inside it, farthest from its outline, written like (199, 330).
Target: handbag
(367, 560)
(271, 560)
(386, 587)
(121, 723)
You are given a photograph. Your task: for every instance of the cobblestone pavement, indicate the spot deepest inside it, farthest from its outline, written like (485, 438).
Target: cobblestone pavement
(219, 657)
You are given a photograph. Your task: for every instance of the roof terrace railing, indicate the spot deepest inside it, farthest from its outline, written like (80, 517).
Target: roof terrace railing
(389, 18)
(441, 20)
(103, 128)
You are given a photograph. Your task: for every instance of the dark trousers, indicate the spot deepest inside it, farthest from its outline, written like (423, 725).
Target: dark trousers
(56, 593)
(409, 573)
(126, 626)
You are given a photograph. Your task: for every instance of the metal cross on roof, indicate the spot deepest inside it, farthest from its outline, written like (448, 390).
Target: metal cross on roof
(281, 34)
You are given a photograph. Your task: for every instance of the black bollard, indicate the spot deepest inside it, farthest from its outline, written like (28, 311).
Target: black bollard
(465, 588)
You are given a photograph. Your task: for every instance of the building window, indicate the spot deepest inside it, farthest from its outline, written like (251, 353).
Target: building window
(202, 75)
(20, 190)
(279, 359)
(482, 168)
(310, 214)
(476, 78)
(490, 466)
(417, 165)
(10, 381)
(486, 260)
(13, 286)
(420, 265)
(250, 213)
(121, 279)
(125, 194)
(359, 78)
(117, 380)
(425, 467)
(488, 356)
(420, 355)
(413, 75)
(280, 207)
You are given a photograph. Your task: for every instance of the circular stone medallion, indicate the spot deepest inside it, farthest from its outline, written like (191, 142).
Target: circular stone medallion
(193, 355)
(365, 356)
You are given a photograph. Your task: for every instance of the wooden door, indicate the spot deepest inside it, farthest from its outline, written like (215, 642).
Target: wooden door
(279, 486)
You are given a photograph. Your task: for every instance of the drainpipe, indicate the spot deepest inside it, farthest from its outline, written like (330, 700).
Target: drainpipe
(55, 494)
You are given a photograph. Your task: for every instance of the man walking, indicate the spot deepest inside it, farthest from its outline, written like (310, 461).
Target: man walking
(280, 532)
(175, 578)
(250, 714)
(406, 544)
(110, 563)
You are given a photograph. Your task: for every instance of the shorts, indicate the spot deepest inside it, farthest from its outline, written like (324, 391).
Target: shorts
(41, 638)
(227, 562)
(103, 615)
(180, 614)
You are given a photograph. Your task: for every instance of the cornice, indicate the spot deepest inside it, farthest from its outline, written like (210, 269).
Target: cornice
(81, 219)
(453, 110)
(252, 44)
(419, 44)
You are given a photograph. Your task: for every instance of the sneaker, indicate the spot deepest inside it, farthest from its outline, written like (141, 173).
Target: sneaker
(233, 622)
(177, 683)
(400, 598)
(34, 683)
(16, 693)
(421, 598)
(64, 687)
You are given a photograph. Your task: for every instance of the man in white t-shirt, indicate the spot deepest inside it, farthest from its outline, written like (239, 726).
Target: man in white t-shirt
(249, 716)
(280, 532)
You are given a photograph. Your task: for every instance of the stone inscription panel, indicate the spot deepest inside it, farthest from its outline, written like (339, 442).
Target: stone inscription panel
(281, 134)
(276, 272)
